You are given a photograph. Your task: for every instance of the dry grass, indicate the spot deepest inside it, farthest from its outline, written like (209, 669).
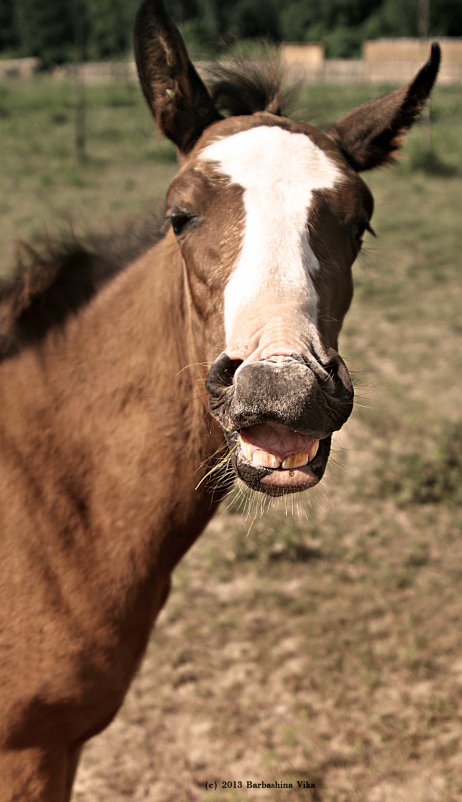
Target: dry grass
(325, 647)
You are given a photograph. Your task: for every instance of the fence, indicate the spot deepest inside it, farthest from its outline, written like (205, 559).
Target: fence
(384, 61)
(391, 61)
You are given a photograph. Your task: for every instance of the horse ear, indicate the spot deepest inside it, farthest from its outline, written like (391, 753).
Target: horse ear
(178, 99)
(370, 134)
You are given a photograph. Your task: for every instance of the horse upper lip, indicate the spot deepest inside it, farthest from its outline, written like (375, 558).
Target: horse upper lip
(299, 393)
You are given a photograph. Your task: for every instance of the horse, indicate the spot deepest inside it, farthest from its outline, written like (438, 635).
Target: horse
(105, 437)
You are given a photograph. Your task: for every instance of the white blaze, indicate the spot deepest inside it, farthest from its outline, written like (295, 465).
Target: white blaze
(278, 171)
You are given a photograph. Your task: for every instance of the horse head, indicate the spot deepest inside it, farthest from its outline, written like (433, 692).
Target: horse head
(269, 216)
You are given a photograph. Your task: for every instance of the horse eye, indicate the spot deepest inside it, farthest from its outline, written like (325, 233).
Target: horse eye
(360, 229)
(180, 220)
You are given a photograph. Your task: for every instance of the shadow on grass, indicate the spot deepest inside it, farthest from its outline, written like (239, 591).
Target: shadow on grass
(430, 476)
(274, 538)
(295, 552)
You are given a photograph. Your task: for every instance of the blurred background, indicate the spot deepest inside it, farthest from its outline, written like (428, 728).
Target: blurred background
(48, 30)
(320, 641)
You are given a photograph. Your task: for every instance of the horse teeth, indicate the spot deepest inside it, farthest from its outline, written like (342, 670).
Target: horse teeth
(313, 450)
(297, 460)
(264, 459)
(246, 450)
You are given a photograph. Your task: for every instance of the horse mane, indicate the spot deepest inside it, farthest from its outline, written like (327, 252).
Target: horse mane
(54, 278)
(244, 86)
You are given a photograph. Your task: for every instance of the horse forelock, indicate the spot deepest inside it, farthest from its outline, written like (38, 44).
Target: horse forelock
(243, 86)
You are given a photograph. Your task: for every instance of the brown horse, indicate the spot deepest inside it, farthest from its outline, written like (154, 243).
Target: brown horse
(104, 434)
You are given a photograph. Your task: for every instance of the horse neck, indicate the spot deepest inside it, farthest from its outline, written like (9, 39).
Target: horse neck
(113, 411)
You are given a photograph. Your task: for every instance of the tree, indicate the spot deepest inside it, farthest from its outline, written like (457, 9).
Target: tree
(110, 26)
(254, 18)
(44, 30)
(8, 32)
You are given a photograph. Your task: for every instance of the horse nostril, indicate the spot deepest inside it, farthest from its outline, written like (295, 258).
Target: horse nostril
(341, 377)
(331, 369)
(221, 373)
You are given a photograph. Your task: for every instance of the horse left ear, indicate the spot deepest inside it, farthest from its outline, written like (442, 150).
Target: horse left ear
(370, 134)
(177, 97)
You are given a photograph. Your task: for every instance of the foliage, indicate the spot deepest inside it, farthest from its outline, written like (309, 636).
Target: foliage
(8, 32)
(32, 27)
(109, 27)
(44, 29)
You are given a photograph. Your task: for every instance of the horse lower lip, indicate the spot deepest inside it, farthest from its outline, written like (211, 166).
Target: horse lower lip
(289, 480)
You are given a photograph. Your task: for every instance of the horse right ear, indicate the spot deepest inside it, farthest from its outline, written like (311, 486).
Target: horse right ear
(177, 97)
(371, 134)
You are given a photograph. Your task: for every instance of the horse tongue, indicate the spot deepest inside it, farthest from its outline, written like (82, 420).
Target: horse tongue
(273, 445)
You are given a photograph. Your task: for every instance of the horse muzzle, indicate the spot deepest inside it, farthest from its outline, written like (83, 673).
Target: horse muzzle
(278, 416)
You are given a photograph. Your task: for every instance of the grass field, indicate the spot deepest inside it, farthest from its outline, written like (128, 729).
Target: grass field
(324, 646)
